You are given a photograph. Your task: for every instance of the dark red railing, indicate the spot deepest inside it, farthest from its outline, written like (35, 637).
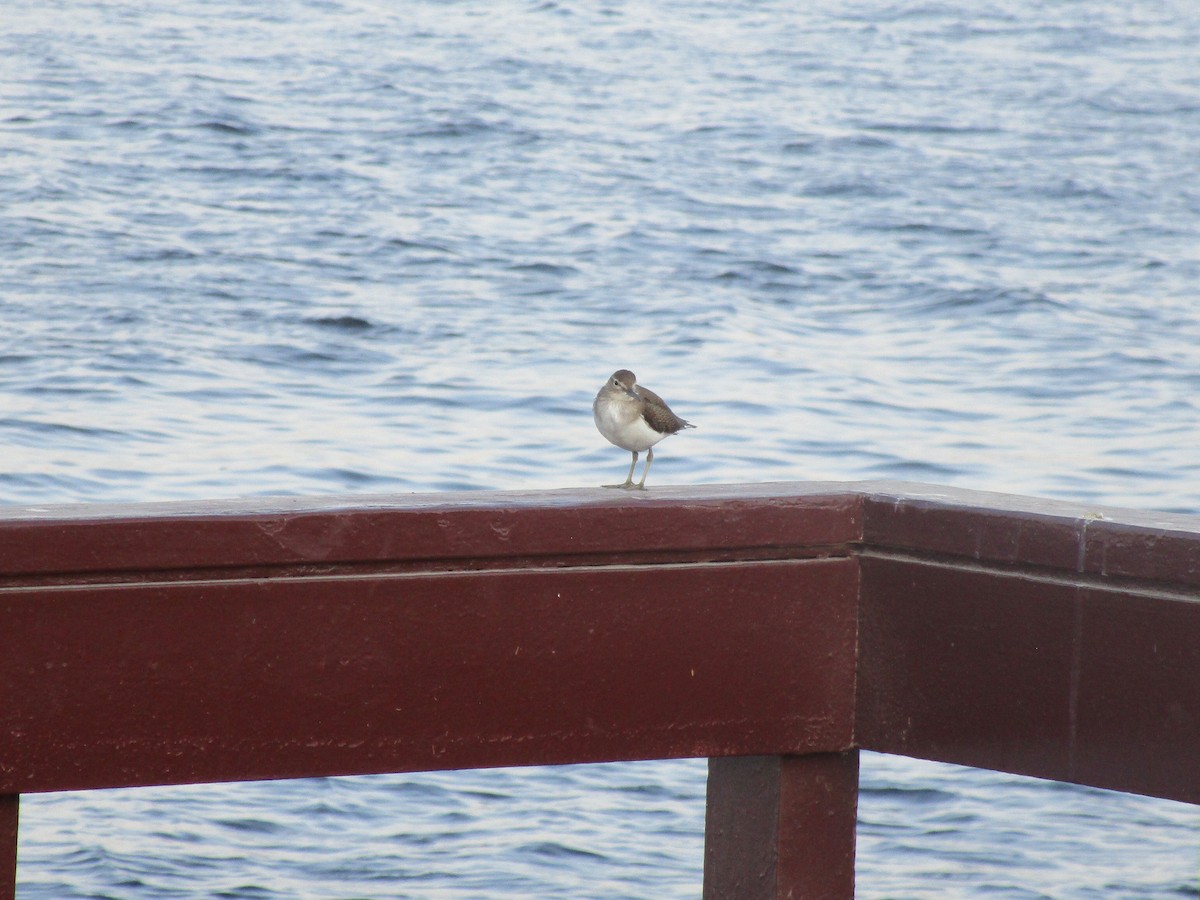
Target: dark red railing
(775, 629)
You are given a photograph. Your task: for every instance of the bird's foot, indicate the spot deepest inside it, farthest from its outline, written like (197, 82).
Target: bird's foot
(626, 486)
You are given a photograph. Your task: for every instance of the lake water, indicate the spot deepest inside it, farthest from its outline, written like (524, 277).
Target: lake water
(319, 247)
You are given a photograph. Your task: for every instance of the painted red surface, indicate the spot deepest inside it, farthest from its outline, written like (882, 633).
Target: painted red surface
(775, 629)
(276, 678)
(781, 826)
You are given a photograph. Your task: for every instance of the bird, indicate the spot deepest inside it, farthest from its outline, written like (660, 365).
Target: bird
(635, 419)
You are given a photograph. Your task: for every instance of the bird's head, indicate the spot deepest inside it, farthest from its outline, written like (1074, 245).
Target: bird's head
(625, 381)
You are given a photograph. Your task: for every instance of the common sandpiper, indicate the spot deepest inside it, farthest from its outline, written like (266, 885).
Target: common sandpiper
(635, 419)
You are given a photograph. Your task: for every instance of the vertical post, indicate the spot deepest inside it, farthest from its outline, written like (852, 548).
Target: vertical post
(9, 806)
(781, 826)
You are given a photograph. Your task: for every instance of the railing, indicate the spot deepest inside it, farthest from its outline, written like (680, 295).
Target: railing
(775, 629)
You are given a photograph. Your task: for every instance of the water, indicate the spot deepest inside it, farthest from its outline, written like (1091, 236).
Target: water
(330, 247)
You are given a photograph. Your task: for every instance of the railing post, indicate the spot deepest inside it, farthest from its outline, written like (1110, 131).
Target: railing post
(781, 826)
(9, 806)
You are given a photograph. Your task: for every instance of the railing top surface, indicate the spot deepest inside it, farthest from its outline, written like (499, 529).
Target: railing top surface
(878, 492)
(771, 518)
(419, 529)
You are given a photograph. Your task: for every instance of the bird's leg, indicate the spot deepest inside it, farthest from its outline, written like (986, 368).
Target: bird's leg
(641, 485)
(629, 477)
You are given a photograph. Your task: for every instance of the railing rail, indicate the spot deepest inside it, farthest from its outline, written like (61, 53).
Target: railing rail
(775, 629)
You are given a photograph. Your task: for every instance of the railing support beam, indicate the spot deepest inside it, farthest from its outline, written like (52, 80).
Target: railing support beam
(9, 807)
(781, 826)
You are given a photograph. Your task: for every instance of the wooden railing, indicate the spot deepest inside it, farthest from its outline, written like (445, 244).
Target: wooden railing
(775, 629)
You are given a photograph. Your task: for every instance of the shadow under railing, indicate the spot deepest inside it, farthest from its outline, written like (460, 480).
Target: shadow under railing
(775, 629)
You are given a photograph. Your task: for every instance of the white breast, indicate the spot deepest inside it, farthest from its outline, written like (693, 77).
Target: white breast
(622, 424)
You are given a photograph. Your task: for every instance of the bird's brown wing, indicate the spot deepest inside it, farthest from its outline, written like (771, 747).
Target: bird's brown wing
(658, 415)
